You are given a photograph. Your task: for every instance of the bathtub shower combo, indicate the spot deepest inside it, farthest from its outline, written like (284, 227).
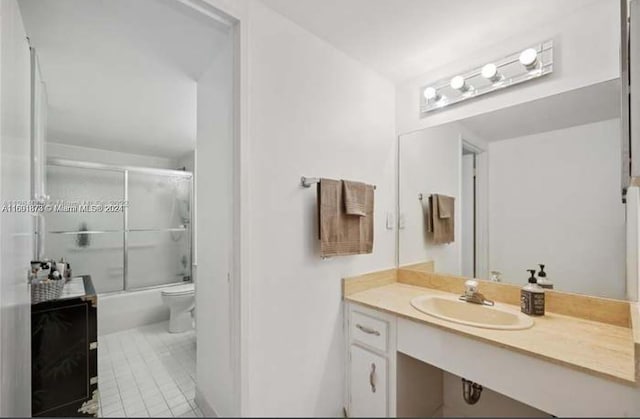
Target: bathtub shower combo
(144, 245)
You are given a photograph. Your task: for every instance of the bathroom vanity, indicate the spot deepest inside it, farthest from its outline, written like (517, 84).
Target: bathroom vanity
(580, 359)
(64, 352)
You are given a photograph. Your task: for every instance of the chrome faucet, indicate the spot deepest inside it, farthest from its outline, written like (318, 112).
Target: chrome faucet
(471, 294)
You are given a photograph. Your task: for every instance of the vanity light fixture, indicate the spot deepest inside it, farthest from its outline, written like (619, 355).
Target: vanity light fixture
(518, 67)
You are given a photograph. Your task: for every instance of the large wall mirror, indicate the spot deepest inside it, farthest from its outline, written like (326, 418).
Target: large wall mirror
(535, 183)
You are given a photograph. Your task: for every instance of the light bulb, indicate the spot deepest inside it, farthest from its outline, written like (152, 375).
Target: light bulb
(430, 93)
(490, 72)
(458, 83)
(529, 58)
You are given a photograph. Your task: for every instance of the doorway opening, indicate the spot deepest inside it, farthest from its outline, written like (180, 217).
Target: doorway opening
(136, 101)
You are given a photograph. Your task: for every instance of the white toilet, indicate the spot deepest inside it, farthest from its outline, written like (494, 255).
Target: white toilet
(181, 301)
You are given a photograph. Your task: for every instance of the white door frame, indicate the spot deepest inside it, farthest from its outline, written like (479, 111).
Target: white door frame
(482, 206)
(468, 206)
(233, 14)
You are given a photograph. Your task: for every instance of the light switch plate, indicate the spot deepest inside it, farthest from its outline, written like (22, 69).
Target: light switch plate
(390, 221)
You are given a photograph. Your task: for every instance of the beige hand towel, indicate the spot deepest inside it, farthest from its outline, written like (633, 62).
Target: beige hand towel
(443, 227)
(342, 234)
(445, 206)
(354, 194)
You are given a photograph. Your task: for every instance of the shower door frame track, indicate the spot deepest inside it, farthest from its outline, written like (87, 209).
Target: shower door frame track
(116, 168)
(125, 170)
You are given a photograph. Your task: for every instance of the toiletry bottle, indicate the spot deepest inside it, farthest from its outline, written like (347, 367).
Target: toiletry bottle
(60, 267)
(67, 269)
(43, 273)
(543, 281)
(532, 297)
(495, 276)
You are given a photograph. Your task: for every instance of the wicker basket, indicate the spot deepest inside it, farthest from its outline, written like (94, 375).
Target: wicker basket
(46, 290)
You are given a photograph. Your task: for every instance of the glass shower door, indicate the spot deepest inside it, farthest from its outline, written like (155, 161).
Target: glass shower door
(90, 239)
(159, 234)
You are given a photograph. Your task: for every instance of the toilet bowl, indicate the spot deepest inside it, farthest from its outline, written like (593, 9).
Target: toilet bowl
(181, 301)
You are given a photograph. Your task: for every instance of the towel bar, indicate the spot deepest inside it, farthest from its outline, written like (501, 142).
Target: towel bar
(308, 181)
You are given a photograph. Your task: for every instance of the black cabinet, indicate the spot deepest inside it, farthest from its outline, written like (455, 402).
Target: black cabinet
(64, 354)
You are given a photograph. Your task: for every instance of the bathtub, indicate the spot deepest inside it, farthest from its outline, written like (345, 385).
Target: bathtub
(126, 310)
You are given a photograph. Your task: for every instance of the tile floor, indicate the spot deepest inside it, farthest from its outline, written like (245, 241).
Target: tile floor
(147, 372)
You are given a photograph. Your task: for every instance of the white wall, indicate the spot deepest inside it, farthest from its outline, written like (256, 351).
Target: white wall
(586, 47)
(314, 112)
(554, 199)
(16, 230)
(216, 384)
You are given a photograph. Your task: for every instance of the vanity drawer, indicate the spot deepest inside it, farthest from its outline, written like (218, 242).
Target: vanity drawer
(369, 330)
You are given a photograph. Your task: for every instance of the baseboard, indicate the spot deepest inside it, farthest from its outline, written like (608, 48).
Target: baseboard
(207, 410)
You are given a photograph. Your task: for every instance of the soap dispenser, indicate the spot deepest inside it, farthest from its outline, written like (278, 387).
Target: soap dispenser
(532, 297)
(543, 281)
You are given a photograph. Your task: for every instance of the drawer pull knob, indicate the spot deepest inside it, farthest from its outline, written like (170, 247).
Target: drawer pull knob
(368, 330)
(372, 378)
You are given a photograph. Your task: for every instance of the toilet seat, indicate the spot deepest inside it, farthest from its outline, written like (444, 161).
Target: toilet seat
(180, 290)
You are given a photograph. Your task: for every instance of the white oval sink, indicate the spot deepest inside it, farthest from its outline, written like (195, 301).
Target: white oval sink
(457, 311)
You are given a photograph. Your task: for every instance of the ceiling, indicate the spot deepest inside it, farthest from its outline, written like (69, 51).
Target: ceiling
(120, 74)
(597, 102)
(400, 38)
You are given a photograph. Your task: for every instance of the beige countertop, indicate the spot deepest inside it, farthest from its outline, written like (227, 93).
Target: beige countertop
(597, 348)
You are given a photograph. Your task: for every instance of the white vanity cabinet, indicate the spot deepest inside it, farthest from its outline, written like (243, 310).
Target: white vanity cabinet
(371, 362)
(383, 382)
